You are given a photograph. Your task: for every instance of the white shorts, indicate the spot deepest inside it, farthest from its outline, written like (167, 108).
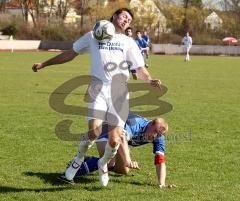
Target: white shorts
(108, 104)
(187, 48)
(104, 136)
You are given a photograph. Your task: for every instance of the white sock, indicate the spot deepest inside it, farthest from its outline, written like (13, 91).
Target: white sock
(108, 154)
(84, 146)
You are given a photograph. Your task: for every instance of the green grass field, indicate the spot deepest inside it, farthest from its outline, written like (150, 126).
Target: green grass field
(203, 157)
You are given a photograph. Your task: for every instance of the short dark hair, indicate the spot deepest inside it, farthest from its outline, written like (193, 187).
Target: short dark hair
(119, 11)
(129, 28)
(138, 31)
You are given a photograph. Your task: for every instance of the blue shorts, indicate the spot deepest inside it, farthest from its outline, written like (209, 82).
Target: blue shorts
(104, 135)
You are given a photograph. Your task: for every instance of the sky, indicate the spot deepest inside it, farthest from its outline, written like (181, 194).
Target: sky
(216, 4)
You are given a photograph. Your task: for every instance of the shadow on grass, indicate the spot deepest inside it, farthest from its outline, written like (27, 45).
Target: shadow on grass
(52, 178)
(8, 189)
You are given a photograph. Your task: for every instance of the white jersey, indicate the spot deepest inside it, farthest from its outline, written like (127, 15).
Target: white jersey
(110, 58)
(187, 41)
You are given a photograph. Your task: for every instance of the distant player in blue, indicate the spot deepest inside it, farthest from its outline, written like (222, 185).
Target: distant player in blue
(145, 36)
(143, 46)
(187, 43)
(138, 131)
(129, 33)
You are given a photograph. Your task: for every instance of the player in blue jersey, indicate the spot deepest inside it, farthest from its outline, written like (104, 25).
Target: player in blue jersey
(143, 46)
(145, 36)
(129, 33)
(187, 42)
(137, 131)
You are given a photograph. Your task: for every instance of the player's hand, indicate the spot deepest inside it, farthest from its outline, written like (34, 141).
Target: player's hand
(132, 165)
(156, 83)
(167, 186)
(37, 66)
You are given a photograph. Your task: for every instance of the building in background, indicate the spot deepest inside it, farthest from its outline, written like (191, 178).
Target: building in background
(213, 21)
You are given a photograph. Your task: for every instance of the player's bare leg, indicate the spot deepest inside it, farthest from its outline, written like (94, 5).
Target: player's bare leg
(187, 55)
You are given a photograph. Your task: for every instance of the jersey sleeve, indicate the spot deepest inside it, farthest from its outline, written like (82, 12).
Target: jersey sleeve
(82, 45)
(159, 145)
(134, 55)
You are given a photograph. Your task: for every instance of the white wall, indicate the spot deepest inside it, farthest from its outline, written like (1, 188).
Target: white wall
(19, 44)
(196, 49)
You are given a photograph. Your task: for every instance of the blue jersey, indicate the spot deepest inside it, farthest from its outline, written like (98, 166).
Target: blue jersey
(141, 44)
(146, 38)
(135, 128)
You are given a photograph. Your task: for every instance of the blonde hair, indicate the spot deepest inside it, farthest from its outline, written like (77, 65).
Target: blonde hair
(161, 120)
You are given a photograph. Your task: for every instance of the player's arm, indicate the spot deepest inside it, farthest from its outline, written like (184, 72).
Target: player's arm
(160, 170)
(123, 151)
(79, 46)
(159, 161)
(135, 57)
(183, 40)
(143, 74)
(59, 59)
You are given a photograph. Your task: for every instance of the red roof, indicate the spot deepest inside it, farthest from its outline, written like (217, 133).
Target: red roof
(14, 4)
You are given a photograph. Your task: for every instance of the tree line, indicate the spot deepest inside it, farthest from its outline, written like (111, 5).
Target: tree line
(48, 17)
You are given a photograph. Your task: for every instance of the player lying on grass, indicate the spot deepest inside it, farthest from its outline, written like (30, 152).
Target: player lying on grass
(137, 131)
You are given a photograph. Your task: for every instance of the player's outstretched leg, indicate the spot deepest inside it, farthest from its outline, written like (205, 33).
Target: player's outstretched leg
(90, 164)
(95, 129)
(77, 160)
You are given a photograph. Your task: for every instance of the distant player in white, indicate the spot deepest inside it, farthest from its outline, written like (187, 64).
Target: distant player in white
(109, 62)
(187, 42)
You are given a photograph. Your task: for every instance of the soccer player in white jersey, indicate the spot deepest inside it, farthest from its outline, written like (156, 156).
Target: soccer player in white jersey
(107, 90)
(187, 42)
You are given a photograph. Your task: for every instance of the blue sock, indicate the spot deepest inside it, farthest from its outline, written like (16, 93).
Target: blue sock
(89, 165)
(133, 71)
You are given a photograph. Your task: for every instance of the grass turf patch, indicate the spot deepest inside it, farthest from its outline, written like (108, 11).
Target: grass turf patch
(202, 149)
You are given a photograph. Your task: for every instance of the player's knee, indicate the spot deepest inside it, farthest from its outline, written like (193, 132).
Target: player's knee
(94, 130)
(94, 133)
(113, 142)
